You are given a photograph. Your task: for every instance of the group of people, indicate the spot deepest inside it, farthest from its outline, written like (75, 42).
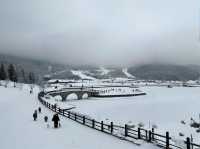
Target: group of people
(55, 118)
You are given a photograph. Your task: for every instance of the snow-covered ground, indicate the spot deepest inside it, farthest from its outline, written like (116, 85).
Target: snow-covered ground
(19, 131)
(162, 106)
(104, 71)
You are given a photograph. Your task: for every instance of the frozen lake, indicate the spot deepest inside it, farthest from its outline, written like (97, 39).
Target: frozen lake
(164, 107)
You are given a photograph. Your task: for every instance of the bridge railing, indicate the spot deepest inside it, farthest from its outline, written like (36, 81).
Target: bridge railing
(123, 132)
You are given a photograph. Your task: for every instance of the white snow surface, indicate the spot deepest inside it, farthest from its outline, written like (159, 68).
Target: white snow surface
(125, 71)
(19, 131)
(162, 106)
(82, 75)
(104, 71)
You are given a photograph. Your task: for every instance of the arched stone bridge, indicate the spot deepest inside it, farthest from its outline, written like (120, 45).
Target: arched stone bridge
(71, 94)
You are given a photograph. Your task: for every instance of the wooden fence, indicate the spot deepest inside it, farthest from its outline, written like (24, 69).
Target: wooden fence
(123, 132)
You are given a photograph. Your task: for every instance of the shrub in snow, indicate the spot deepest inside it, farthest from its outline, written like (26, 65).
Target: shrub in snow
(154, 126)
(181, 134)
(198, 130)
(183, 122)
(195, 125)
(131, 125)
(141, 124)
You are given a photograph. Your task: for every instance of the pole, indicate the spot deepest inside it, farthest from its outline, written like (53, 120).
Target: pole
(188, 143)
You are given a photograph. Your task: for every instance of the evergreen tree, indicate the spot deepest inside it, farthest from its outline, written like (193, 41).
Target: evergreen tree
(3, 75)
(23, 76)
(31, 78)
(15, 77)
(12, 74)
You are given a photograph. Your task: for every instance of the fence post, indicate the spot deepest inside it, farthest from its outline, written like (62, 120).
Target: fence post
(102, 129)
(150, 135)
(93, 123)
(126, 130)
(188, 143)
(69, 114)
(139, 133)
(84, 120)
(111, 127)
(75, 116)
(146, 134)
(55, 107)
(167, 140)
(153, 134)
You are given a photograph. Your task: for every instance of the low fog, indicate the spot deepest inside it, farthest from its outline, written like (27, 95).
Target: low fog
(102, 32)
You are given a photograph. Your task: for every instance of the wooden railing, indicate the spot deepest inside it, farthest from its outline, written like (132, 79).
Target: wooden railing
(123, 132)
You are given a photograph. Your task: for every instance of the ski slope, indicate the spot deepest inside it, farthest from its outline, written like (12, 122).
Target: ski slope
(104, 71)
(19, 131)
(82, 75)
(125, 71)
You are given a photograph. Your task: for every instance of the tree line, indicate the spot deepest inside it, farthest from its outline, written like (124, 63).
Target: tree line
(10, 73)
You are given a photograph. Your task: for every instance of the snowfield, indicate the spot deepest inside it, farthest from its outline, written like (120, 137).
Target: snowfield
(162, 106)
(19, 131)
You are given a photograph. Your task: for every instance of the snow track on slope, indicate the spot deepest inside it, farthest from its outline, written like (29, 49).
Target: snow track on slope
(82, 75)
(125, 71)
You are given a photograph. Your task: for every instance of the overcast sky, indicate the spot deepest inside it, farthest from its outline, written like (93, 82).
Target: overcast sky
(102, 32)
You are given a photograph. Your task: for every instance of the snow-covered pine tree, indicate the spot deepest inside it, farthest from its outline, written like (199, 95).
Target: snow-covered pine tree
(12, 74)
(24, 79)
(3, 75)
(31, 78)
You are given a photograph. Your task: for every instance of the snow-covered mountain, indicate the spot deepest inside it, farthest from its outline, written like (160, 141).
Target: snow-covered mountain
(144, 72)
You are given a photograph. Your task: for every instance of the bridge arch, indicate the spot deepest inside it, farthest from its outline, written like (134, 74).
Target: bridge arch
(72, 96)
(58, 98)
(85, 96)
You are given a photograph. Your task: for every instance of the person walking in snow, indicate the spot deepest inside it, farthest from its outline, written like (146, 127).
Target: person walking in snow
(56, 120)
(46, 119)
(35, 115)
(39, 109)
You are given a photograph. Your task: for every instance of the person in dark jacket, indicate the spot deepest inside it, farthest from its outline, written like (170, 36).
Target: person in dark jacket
(56, 120)
(46, 119)
(35, 115)
(39, 109)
